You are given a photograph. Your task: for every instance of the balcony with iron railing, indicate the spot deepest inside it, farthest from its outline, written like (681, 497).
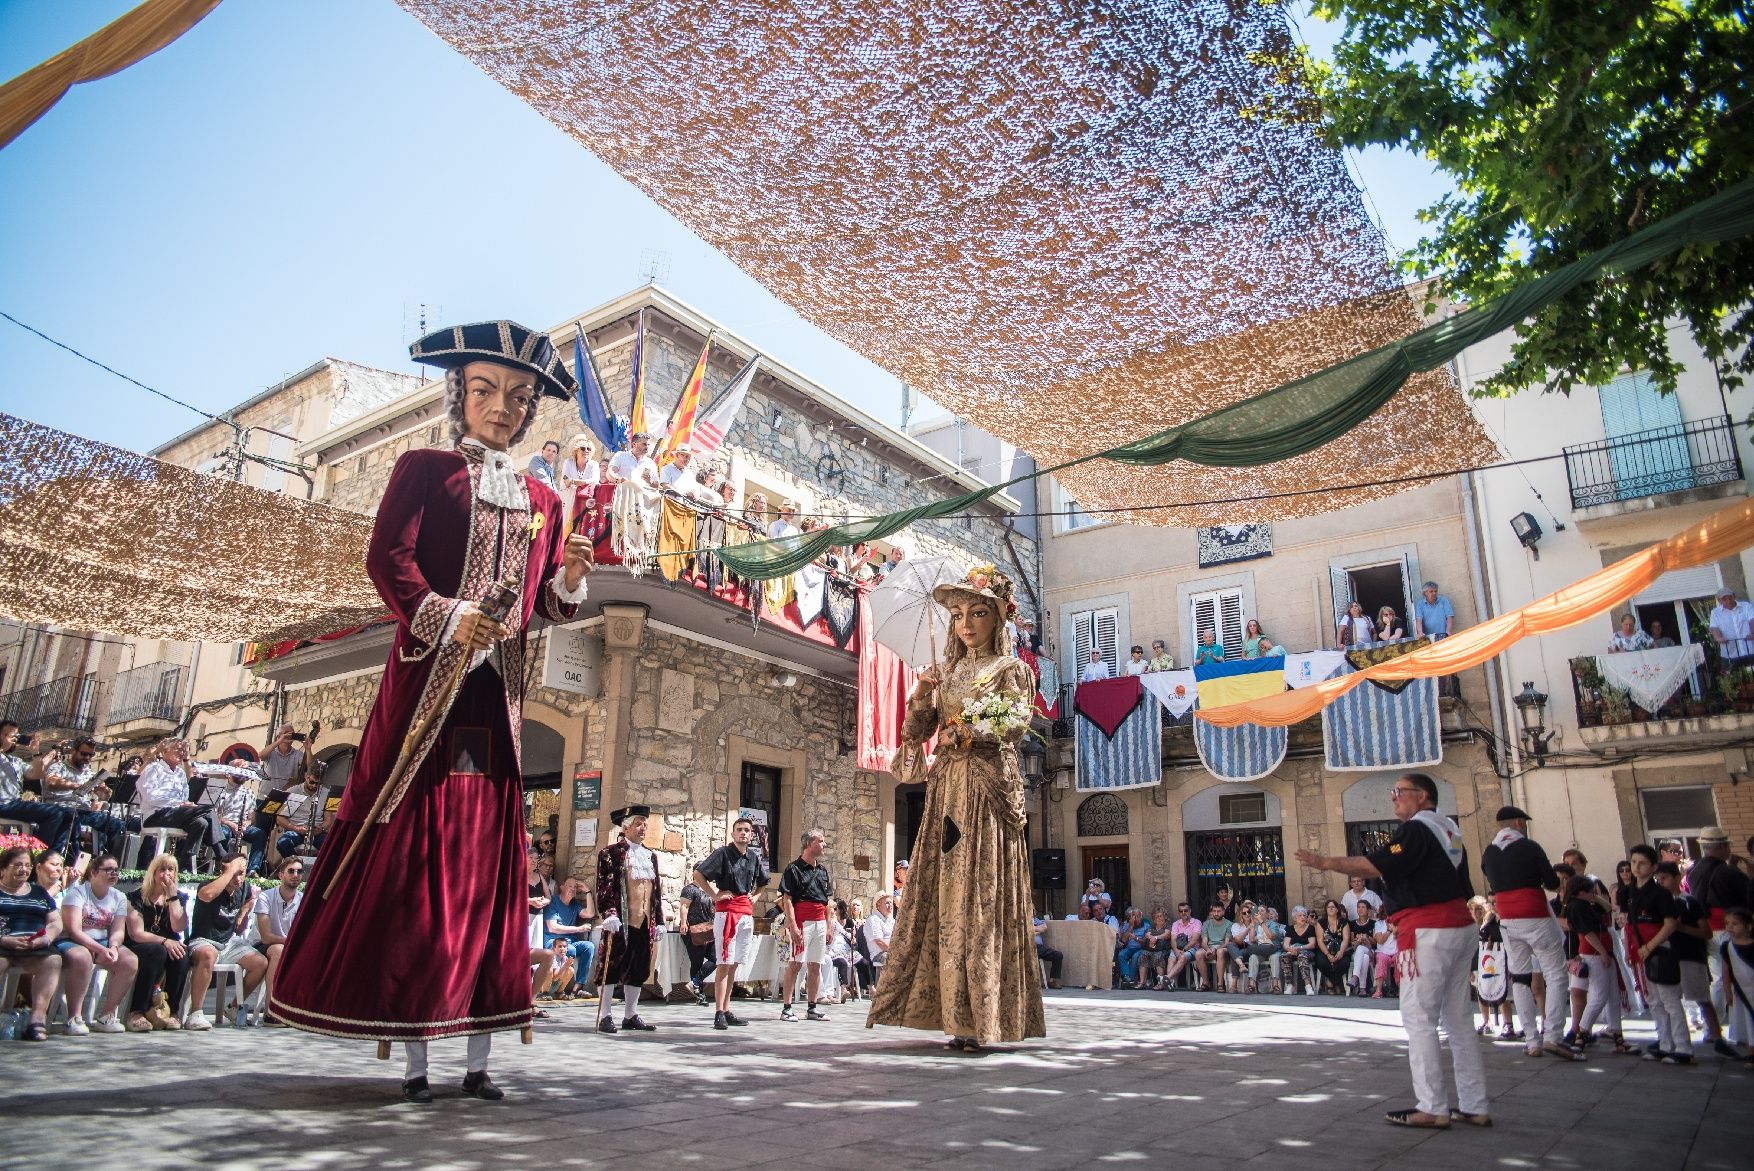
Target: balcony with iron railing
(1714, 705)
(1672, 464)
(149, 695)
(67, 704)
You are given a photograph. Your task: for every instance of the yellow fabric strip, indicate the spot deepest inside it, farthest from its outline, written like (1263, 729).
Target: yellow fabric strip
(124, 41)
(1727, 531)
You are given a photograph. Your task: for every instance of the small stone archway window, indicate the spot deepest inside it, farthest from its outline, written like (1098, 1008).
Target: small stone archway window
(1103, 815)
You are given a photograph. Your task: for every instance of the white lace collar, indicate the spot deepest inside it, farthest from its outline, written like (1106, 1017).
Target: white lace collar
(500, 483)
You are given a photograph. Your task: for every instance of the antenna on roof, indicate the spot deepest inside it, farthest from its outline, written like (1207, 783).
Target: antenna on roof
(654, 265)
(910, 402)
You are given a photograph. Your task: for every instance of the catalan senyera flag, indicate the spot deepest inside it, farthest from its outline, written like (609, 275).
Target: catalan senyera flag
(636, 416)
(710, 431)
(1239, 681)
(679, 431)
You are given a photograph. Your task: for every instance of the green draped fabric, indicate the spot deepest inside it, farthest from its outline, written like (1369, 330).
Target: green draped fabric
(1314, 410)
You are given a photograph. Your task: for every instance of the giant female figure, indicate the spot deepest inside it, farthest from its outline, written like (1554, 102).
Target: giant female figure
(962, 959)
(420, 932)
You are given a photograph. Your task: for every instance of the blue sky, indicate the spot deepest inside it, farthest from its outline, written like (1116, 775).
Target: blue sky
(262, 194)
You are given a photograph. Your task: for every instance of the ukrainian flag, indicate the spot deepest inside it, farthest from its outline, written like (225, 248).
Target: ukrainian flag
(1239, 681)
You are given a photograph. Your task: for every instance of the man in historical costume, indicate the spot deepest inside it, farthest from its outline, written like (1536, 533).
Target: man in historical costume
(1519, 875)
(415, 917)
(731, 875)
(1424, 869)
(805, 891)
(962, 960)
(630, 897)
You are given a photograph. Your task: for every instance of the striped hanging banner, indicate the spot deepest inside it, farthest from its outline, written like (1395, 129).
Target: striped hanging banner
(1132, 758)
(1246, 752)
(1369, 728)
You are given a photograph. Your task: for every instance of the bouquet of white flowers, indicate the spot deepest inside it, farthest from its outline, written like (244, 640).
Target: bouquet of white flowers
(998, 713)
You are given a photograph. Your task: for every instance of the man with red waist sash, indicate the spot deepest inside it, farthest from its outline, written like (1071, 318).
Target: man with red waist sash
(1424, 869)
(805, 889)
(1718, 885)
(1519, 876)
(730, 876)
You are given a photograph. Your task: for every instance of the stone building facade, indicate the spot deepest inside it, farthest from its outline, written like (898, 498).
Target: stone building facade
(692, 710)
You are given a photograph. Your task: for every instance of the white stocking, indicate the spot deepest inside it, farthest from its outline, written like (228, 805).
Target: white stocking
(415, 1054)
(631, 992)
(478, 1047)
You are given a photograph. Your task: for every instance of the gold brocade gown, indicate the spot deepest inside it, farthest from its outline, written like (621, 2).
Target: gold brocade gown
(962, 959)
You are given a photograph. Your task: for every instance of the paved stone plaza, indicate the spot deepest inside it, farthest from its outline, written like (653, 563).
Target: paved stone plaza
(1124, 1078)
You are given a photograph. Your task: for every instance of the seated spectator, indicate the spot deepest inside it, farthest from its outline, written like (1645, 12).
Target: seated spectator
(879, 927)
(562, 973)
(217, 936)
(1252, 637)
(1384, 948)
(1263, 944)
(1095, 670)
(1130, 945)
(1214, 939)
(162, 796)
(545, 843)
(1629, 637)
(272, 921)
(1093, 892)
(1101, 912)
(567, 921)
(1388, 625)
(1236, 948)
(1053, 957)
(1363, 946)
(157, 918)
(49, 871)
(840, 951)
(1135, 664)
(1333, 942)
(94, 920)
(1357, 891)
(854, 918)
(1299, 943)
(1161, 659)
(1209, 650)
(1354, 629)
(1434, 616)
(28, 929)
(1158, 947)
(69, 778)
(1184, 941)
(304, 820)
(51, 824)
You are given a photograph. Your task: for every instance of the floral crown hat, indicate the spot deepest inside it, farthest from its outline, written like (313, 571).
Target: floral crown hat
(983, 581)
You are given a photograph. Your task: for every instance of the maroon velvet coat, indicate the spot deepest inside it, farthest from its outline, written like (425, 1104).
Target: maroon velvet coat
(426, 934)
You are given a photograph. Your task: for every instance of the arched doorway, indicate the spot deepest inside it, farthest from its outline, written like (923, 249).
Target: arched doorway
(337, 765)
(1233, 838)
(543, 757)
(1104, 815)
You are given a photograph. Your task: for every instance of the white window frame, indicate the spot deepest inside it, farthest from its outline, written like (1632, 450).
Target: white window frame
(1407, 556)
(1097, 618)
(1069, 517)
(1230, 635)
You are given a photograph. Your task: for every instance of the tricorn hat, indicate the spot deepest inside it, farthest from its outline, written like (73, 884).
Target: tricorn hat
(621, 815)
(504, 342)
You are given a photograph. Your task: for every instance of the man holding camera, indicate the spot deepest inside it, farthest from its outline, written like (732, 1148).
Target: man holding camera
(52, 823)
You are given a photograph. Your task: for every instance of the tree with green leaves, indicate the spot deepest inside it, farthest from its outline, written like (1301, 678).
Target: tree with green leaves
(1564, 127)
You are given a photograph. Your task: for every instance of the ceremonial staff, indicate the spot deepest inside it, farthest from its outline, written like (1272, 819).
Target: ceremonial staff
(496, 606)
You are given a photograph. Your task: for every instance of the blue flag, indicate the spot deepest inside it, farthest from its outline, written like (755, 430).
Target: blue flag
(593, 405)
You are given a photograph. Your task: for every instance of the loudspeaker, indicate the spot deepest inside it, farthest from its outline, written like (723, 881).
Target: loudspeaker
(1047, 869)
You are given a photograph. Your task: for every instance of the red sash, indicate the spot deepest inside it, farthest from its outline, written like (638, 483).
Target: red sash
(733, 907)
(1715, 916)
(1409, 920)
(1525, 902)
(810, 912)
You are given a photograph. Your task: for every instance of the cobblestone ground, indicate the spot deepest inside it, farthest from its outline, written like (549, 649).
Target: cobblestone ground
(1211, 1082)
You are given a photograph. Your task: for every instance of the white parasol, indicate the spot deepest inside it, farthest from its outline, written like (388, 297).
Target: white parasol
(904, 617)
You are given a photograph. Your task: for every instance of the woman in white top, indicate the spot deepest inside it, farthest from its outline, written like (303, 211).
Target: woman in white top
(1355, 629)
(94, 917)
(1136, 663)
(579, 471)
(1629, 637)
(879, 926)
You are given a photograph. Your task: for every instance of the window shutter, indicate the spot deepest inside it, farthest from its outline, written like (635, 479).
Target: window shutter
(1204, 606)
(1230, 623)
(1108, 638)
(1340, 589)
(1080, 645)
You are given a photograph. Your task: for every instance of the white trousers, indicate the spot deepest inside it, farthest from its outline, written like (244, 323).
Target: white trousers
(1669, 1017)
(415, 1053)
(1731, 1020)
(1361, 957)
(1437, 995)
(1604, 999)
(1538, 945)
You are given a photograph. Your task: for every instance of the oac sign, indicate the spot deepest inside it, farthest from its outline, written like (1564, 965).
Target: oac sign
(573, 660)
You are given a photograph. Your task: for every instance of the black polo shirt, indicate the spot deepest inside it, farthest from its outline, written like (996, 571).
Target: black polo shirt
(1691, 914)
(1416, 870)
(804, 883)
(734, 871)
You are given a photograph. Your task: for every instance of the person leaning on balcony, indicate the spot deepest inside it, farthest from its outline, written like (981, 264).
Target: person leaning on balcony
(1629, 637)
(1732, 624)
(1135, 664)
(1388, 625)
(1434, 616)
(1210, 649)
(1354, 629)
(1658, 638)
(1161, 659)
(1096, 669)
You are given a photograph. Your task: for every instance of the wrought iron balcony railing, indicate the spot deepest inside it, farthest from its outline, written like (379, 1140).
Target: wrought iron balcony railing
(1647, 463)
(69, 702)
(152, 692)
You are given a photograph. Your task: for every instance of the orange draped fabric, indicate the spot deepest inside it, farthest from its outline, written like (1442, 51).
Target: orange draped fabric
(129, 38)
(1727, 531)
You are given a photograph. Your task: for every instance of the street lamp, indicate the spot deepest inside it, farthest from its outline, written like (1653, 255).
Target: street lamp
(1528, 532)
(1531, 706)
(1032, 757)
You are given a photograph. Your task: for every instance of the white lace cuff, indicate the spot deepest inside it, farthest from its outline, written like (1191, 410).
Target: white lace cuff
(456, 620)
(570, 597)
